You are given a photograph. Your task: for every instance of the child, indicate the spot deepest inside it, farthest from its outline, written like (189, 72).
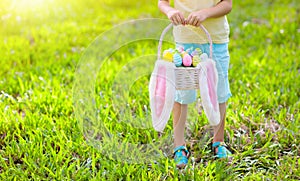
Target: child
(212, 14)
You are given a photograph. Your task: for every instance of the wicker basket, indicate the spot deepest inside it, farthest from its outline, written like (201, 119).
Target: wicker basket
(186, 77)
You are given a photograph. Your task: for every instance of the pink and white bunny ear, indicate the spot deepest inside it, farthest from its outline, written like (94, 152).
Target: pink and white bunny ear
(208, 81)
(162, 93)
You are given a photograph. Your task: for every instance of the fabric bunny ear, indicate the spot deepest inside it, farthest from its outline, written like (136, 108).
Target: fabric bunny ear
(162, 93)
(208, 81)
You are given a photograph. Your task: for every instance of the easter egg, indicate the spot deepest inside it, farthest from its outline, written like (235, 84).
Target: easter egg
(203, 57)
(187, 60)
(194, 53)
(180, 49)
(168, 56)
(196, 60)
(198, 50)
(177, 59)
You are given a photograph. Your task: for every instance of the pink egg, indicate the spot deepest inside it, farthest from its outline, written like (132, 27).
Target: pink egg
(187, 60)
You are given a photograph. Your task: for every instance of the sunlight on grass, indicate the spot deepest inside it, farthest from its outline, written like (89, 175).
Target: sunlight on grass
(41, 42)
(28, 4)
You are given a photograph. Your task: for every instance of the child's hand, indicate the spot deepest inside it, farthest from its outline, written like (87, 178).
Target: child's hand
(196, 18)
(176, 17)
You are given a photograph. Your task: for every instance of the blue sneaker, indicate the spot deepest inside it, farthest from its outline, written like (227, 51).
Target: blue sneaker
(222, 152)
(180, 158)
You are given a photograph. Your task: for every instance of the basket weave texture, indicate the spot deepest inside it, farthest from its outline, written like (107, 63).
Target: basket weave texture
(187, 78)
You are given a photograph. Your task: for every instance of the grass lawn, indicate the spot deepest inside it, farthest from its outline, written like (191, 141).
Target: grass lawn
(42, 43)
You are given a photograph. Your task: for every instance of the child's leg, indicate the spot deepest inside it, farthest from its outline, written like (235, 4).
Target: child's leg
(182, 99)
(219, 129)
(221, 56)
(180, 152)
(179, 119)
(218, 142)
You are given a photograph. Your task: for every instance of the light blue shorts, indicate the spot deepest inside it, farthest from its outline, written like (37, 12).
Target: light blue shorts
(221, 57)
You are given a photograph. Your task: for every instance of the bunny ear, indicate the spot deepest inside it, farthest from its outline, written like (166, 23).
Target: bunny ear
(162, 93)
(208, 81)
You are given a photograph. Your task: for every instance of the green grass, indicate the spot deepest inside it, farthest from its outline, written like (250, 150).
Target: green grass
(40, 138)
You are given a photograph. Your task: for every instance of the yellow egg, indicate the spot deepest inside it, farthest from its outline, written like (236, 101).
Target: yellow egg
(168, 56)
(196, 60)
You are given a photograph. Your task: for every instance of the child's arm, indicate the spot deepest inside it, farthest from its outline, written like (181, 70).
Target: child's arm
(222, 8)
(173, 14)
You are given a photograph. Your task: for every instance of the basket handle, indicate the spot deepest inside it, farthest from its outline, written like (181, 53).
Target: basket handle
(169, 27)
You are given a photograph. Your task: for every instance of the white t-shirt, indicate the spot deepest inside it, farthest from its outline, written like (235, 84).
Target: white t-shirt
(218, 28)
